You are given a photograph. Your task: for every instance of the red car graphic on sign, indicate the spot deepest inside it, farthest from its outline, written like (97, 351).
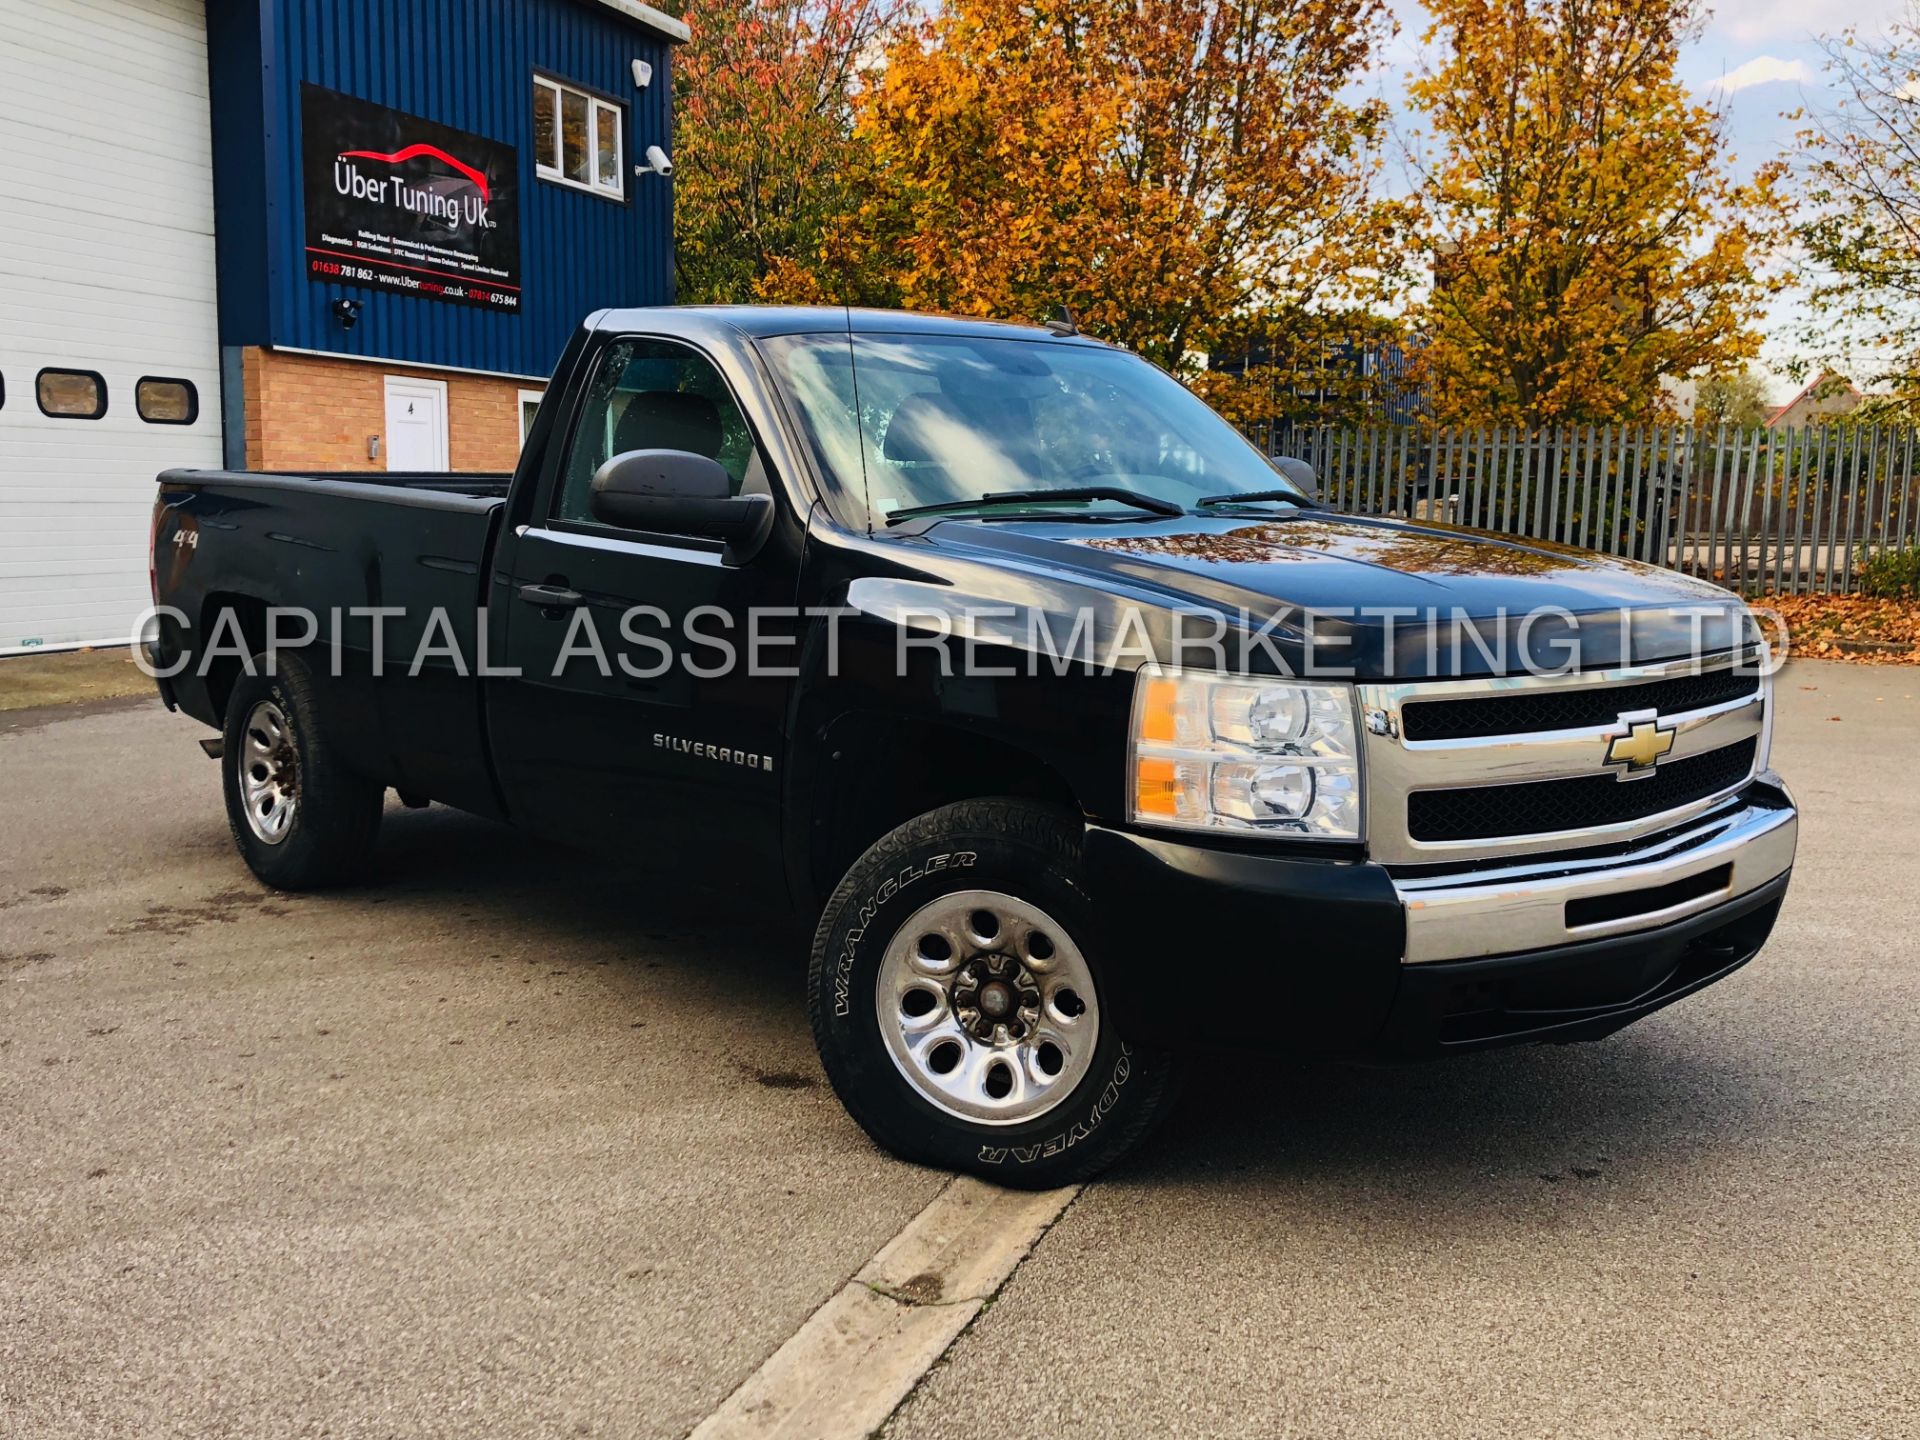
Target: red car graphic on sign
(413, 152)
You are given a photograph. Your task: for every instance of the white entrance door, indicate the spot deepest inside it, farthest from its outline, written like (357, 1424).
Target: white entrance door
(416, 424)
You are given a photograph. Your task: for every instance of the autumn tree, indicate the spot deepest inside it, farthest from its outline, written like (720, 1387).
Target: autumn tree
(1589, 239)
(1738, 397)
(1861, 178)
(1159, 167)
(763, 161)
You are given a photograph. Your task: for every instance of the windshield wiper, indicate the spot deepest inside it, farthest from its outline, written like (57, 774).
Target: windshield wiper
(1028, 497)
(1290, 497)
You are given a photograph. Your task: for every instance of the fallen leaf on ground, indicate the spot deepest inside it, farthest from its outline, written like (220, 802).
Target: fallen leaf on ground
(1855, 628)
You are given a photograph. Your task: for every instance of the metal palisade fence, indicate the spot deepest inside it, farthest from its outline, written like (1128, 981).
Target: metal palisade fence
(1792, 510)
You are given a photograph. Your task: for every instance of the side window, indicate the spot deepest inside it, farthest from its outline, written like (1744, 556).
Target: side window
(71, 394)
(655, 395)
(161, 401)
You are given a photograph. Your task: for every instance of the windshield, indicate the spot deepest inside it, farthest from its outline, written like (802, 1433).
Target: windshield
(901, 421)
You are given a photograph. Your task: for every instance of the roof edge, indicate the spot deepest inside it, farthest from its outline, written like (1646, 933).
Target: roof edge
(1807, 389)
(643, 14)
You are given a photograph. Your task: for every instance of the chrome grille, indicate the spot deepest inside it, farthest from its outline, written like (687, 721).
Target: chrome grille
(1443, 786)
(1571, 709)
(1546, 806)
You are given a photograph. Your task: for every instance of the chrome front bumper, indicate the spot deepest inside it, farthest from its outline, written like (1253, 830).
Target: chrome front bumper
(1524, 907)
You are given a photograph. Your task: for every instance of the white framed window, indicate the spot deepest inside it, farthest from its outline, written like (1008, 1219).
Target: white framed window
(577, 139)
(529, 407)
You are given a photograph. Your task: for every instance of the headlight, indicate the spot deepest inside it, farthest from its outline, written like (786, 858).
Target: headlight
(1216, 752)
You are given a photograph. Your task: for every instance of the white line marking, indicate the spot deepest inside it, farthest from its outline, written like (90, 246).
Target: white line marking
(857, 1357)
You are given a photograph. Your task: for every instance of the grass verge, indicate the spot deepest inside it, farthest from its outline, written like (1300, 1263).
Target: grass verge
(68, 677)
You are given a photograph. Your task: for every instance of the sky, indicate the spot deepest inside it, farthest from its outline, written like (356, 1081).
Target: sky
(1754, 60)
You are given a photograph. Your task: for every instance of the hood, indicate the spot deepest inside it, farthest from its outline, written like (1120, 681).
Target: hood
(1391, 599)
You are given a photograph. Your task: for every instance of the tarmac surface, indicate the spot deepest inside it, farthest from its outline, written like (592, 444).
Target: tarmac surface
(516, 1143)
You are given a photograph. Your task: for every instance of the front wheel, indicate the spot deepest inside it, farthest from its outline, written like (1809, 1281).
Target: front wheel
(958, 1007)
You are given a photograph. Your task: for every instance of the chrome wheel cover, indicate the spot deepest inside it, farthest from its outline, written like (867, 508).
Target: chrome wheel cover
(269, 773)
(987, 1007)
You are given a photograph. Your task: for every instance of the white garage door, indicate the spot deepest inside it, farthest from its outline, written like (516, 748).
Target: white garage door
(106, 279)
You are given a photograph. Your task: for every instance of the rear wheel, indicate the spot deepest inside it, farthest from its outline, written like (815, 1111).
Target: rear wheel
(957, 1005)
(300, 819)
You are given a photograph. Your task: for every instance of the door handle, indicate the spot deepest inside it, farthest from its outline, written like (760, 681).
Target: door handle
(551, 597)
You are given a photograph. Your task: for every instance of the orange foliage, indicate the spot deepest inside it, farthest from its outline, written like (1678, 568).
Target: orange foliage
(764, 158)
(1159, 166)
(1590, 241)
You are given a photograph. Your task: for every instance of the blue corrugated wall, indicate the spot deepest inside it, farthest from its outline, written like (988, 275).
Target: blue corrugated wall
(464, 63)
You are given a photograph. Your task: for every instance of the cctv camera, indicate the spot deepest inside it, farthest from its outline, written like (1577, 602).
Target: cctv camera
(657, 161)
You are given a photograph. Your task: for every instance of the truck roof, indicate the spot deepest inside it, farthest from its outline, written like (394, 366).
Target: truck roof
(762, 321)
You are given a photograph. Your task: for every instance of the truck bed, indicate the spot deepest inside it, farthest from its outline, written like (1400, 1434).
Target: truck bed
(331, 545)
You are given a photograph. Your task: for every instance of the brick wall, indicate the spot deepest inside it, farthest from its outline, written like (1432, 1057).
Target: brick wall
(307, 412)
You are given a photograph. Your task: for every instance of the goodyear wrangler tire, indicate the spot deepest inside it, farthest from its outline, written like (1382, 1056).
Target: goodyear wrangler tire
(300, 819)
(957, 1012)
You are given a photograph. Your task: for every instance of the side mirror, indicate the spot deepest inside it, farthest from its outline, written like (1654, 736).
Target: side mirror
(675, 492)
(1299, 473)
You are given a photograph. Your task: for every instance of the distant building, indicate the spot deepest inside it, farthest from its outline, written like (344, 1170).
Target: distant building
(1338, 382)
(1821, 398)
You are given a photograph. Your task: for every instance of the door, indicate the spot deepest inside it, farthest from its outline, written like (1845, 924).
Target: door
(416, 424)
(109, 355)
(684, 742)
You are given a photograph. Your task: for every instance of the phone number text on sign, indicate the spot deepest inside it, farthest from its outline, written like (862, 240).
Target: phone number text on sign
(351, 274)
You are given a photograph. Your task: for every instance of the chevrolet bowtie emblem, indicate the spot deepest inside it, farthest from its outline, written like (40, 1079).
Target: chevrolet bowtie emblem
(1640, 748)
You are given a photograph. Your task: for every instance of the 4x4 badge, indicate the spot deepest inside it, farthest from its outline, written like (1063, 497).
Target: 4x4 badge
(1643, 745)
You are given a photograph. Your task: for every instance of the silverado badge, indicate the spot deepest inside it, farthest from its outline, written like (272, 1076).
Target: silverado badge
(1642, 744)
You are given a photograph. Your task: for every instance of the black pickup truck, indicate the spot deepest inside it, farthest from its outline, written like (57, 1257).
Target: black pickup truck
(1087, 735)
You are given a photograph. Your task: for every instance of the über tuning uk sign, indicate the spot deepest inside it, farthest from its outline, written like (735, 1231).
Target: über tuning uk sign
(400, 203)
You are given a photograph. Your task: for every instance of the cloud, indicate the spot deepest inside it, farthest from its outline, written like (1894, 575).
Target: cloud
(1762, 70)
(1754, 22)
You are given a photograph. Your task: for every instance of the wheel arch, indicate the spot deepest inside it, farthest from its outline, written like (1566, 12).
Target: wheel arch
(875, 771)
(223, 671)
